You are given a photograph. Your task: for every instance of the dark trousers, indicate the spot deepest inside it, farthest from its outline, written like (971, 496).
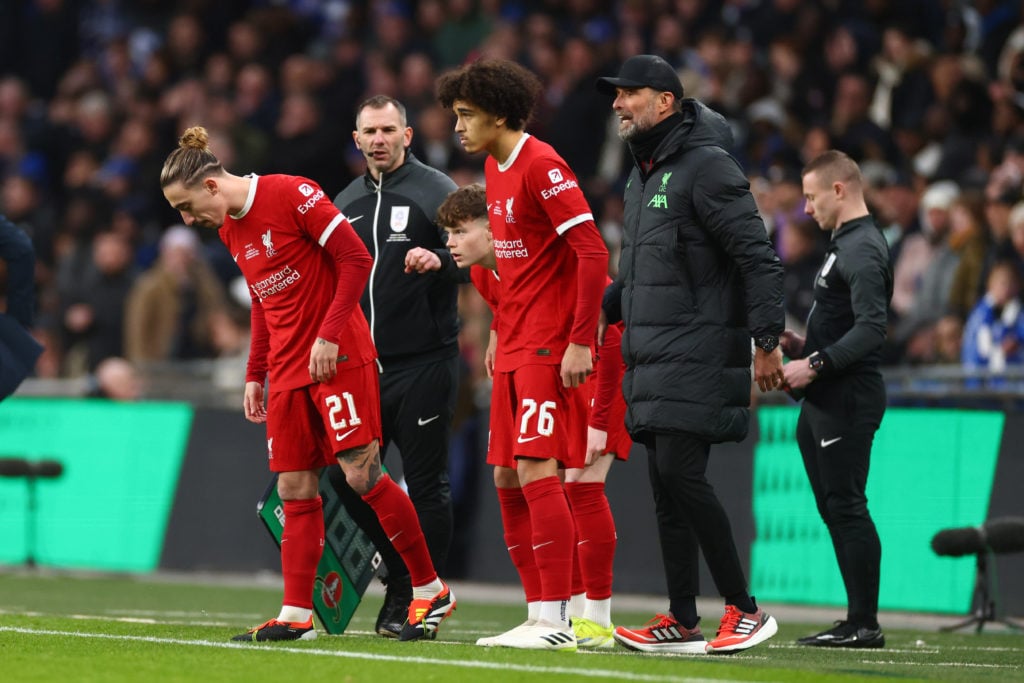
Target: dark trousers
(417, 406)
(690, 517)
(835, 431)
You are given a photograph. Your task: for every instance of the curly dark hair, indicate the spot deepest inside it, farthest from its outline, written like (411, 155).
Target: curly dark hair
(499, 87)
(464, 204)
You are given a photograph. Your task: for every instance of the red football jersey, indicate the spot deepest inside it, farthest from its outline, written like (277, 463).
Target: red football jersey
(488, 284)
(532, 200)
(286, 240)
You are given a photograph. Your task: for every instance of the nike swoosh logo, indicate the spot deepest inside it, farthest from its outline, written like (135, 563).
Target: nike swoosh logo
(826, 444)
(422, 422)
(235, 257)
(529, 438)
(513, 547)
(543, 544)
(341, 437)
(353, 220)
(585, 540)
(392, 538)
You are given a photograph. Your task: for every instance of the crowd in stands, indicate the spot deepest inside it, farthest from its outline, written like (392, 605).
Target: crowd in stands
(927, 95)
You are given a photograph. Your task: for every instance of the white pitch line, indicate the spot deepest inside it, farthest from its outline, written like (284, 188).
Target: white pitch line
(965, 665)
(550, 670)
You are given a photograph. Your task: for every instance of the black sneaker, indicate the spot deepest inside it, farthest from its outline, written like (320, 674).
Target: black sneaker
(393, 612)
(426, 615)
(846, 634)
(279, 630)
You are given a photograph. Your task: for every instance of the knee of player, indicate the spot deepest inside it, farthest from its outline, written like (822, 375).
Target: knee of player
(360, 480)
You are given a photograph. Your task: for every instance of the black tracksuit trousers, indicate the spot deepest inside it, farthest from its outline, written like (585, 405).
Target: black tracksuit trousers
(835, 431)
(690, 517)
(417, 407)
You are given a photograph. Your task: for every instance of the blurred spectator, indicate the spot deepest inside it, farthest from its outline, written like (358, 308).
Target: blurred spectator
(917, 252)
(968, 239)
(302, 145)
(993, 337)
(117, 379)
(464, 27)
(94, 314)
(948, 340)
(178, 309)
(804, 249)
(1000, 246)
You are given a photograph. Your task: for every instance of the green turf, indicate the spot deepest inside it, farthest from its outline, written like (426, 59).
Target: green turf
(113, 630)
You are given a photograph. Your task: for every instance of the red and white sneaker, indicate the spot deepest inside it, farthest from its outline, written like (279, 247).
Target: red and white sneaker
(662, 634)
(739, 630)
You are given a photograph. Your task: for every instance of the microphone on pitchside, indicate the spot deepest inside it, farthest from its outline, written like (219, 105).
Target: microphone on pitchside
(47, 469)
(958, 542)
(1005, 534)
(994, 537)
(14, 467)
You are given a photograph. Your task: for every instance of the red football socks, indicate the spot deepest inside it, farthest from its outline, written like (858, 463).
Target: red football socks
(398, 518)
(553, 534)
(515, 518)
(596, 537)
(302, 543)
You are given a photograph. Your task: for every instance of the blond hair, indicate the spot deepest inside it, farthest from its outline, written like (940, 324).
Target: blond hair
(192, 161)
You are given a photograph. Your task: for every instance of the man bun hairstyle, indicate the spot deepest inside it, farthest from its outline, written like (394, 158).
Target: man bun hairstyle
(500, 87)
(464, 204)
(192, 161)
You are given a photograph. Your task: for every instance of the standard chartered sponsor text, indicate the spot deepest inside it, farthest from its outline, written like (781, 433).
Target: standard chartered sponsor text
(277, 282)
(510, 249)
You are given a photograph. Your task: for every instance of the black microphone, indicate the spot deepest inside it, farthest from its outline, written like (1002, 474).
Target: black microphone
(14, 467)
(1005, 534)
(47, 469)
(957, 542)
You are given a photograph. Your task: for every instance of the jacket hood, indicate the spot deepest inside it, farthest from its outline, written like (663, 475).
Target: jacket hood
(701, 127)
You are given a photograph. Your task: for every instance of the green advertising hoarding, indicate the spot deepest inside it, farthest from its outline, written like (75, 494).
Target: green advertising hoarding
(109, 509)
(930, 469)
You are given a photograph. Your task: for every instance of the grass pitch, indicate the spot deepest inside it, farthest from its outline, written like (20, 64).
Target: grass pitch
(126, 629)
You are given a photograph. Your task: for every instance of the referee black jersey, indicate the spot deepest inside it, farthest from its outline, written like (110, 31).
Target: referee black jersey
(848, 319)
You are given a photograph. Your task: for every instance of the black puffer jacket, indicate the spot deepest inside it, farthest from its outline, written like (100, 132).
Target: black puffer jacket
(697, 278)
(413, 318)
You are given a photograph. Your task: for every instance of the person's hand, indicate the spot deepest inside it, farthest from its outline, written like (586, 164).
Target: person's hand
(602, 327)
(323, 360)
(797, 374)
(490, 353)
(420, 260)
(768, 369)
(252, 403)
(597, 442)
(792, 344)
(577, 363)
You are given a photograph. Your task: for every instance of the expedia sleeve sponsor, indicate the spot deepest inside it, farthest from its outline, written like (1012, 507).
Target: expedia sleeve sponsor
(276, 283)
(309, 203)
(558, 189)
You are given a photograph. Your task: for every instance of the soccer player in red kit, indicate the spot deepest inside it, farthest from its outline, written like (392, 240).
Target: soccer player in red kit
(599, 430)
(306, 269)
(552, 263)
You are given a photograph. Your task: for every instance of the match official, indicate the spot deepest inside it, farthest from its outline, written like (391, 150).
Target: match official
(414, 323)
(844, 397)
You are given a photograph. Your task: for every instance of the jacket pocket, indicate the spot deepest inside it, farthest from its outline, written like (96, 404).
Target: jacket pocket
(684, 271)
